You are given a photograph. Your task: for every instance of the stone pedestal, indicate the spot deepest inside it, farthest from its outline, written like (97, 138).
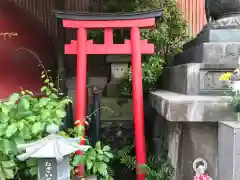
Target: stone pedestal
(229, 151)
(192, 100)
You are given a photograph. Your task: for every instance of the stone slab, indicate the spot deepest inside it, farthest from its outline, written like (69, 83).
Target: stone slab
(214, 35)
(177, 107)
(229, 151)
(110, 108)
(196, 78)
(99, 82)
(210, 53)
(113, 109)
(198, 140)
(112, 89)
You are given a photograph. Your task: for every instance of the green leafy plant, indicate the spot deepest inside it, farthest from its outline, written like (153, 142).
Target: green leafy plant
(23, 118)
(168, 36)
(96, 160)
(151, 69)
(232, 83)
(157, 167)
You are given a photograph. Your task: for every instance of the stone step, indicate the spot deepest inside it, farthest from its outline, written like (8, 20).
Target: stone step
(111, 109)
(196, 78)
(210, 53)
(214, 35)
(177, 107)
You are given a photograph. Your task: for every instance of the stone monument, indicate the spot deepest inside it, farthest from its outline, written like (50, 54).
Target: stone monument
(52, 153)
(119, 67)
(192, 102)
(121, 107)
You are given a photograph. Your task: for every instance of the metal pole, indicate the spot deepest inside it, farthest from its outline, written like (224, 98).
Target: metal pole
(96, 117)
(138, 100)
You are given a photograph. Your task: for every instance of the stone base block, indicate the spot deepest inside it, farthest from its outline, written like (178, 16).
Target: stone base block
(214, 35)
(191, 108)
(210, 53)
(111, 108)
(195, 79)
(229, 151)
(112, 90)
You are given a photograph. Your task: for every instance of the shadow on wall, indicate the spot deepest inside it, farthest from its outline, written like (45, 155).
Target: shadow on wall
(21, 69)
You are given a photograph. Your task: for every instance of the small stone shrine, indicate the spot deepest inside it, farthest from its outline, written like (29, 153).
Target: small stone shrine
(119, 67)
(191, 102)
(52, 153)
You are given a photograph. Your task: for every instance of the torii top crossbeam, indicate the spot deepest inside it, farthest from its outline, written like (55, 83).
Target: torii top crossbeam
(135, 46)
(108, 21)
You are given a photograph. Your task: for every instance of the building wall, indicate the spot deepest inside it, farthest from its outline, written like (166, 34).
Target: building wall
(42, 10)
(194, 12)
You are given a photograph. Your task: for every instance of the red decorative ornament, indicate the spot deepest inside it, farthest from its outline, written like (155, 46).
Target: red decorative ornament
(135, 46)
(202, 177)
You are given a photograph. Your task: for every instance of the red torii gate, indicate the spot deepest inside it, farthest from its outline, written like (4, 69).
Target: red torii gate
(135, 46)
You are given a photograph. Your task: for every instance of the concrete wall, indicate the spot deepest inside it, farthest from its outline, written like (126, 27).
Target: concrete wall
(187, 142)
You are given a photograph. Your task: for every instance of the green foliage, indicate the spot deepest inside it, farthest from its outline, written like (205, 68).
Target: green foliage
(96, 161)
(168, 36)
(23, 118)
(151, 69)
(157, 167)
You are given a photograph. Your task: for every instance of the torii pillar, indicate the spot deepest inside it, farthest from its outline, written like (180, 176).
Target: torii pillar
(135, 46)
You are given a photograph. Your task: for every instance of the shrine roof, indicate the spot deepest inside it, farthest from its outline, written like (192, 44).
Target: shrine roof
(71, 15)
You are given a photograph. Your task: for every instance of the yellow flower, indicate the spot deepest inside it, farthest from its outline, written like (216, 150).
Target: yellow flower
(225, 77)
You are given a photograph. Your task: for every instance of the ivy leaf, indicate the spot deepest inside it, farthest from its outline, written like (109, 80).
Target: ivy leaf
(99, 157)
(11, 130)
(33, 171)
(98, 145)
(31, 163)
(5, 109)
(19, 140)
(2, 176)
(51, 85)
(91, 154)
(8, 164)
(25, 133)
(3, 128)
(80, 130)
(43, 102)
(13, 98)
(60, 113)
(37, 127)
(9, 173)
(46, 80)
(106, 159)
(31, 118)
(20, 125)
(43, 89)
(89, 164)
(6, 146)
(106, 148)
(103, 169)
(110, 155)
(78, 159)
(24, 103)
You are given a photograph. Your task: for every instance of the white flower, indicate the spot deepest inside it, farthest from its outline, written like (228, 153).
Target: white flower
(235, 85)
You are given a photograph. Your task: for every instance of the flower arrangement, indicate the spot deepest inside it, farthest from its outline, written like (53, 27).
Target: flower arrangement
(233, 83)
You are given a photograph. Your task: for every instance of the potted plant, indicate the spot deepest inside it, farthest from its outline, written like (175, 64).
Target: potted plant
(96, 162)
